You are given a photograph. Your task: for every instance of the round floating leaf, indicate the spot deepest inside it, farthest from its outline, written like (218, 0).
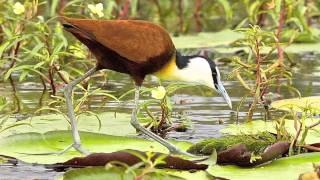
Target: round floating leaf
(298, 104)
(115, 173)
(22, 146)
(204, 39)
(97, 173)
(221, 42)
(285, 168)
(111, 123)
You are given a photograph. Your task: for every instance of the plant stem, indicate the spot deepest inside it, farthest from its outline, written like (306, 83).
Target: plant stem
(197, 16)
(124, 13)
(181, 20)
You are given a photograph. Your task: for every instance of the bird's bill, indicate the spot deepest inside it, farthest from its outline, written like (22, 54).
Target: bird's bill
(224, 94)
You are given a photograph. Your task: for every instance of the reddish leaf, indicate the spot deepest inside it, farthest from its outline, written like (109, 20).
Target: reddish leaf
(239, 154)
(101, 159)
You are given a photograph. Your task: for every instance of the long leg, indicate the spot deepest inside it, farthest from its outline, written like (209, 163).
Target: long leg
(68, 92)
(134, 122)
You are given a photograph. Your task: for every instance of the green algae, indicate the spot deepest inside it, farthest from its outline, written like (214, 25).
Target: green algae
(256, 143)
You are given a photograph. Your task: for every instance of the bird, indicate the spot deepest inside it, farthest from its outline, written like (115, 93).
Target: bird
(137, 48)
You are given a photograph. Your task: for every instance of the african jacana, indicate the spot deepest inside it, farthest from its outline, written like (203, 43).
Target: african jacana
(138, 48)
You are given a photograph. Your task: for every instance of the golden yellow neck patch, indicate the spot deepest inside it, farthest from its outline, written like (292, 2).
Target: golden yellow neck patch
(167, 72)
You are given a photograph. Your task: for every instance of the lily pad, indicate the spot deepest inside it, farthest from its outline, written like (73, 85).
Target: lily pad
(110, 124)
(285, 168)
(23, 146)
(120, 174)
(298, 104)
(221, 42)
(204, 39)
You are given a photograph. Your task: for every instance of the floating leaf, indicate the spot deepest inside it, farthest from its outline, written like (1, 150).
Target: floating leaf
(28, 146)
(297, 104)
(285, 168)
(117, 173)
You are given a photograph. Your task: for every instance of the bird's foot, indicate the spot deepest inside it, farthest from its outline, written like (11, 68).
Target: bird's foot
(176, 151)
(76, 146)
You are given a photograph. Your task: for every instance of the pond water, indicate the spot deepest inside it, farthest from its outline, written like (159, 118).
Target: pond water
(207, 110)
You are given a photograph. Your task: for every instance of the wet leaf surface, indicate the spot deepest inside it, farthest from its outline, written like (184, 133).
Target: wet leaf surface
(110, 124)
(116, 173)
(222, 43)
(284, 168)
(27, 146)
(298, 104)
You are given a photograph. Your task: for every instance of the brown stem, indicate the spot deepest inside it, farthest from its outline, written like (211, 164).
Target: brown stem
(60, 74)
(61, 6)
(51, 70)
(163, 117)
(278, 33)
(297, 135)
(310, 148)
(258, 81)
(313, 125)
(124, 13)
(262, 17)
(258, 62)
(307, 14)
(43, 82)
(197, 16)
(16, 98)
(13, 55)
(52, 84)
(278, 39)
(180, 12)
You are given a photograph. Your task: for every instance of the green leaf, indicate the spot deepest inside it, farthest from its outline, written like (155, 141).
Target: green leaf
(285, 168)
(3, 47)
(111, 123)
(65, 75)
(222, 42)
(23, 75)
(98, 173)
(16, 68)
(51, 133)
(203, 39)
(26, 146)
(298, 104)
(118, 173)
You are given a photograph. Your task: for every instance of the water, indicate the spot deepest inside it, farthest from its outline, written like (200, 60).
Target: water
(207, 110)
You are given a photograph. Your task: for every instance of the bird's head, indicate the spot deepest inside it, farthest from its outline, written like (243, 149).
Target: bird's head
(201, 70)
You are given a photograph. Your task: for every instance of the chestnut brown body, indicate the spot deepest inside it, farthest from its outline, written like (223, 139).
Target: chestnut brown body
(133, 47)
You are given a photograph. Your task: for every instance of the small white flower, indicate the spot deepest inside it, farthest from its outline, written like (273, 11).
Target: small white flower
(18, 8)
(158, 93)
(96, 9)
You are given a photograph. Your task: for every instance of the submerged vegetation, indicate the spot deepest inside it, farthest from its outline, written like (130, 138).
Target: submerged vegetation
(254, 41)
(256, 143)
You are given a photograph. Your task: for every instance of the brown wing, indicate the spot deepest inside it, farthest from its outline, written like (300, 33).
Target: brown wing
(135, 40)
